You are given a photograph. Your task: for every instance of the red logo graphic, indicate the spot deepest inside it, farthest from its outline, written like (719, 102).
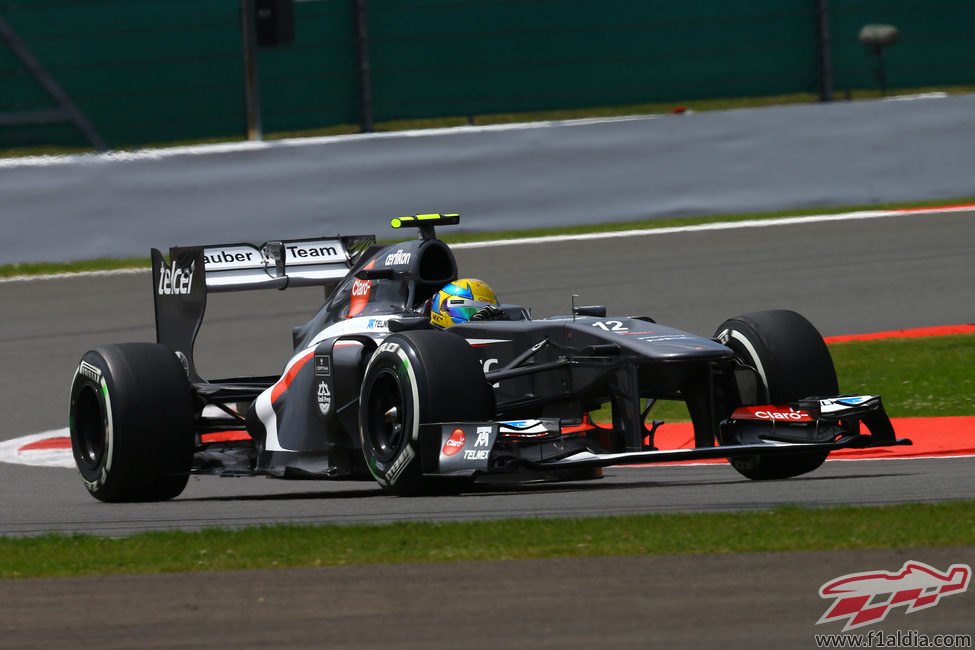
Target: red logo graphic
(866, 598)
(454, 443)
(360, 292)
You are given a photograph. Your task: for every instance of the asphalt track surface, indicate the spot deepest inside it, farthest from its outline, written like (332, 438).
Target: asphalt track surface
(847, 277)
(743, 600)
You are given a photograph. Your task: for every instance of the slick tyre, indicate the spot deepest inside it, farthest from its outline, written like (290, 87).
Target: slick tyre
(415, 378)
(131, 420)
(793, 362)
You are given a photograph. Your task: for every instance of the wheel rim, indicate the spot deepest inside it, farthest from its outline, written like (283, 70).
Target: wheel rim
(89, 428)
(385, 418)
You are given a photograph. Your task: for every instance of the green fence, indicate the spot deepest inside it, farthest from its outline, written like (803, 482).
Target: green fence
(140, 71)
(470, 57)
(159, 71)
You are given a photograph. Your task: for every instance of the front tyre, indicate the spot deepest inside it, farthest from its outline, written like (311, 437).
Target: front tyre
(792, 362)
(415, 378)
(131, 421)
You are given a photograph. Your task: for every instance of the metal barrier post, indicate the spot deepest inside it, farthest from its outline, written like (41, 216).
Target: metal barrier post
(362, 58)
(252, 94)
(823, 47)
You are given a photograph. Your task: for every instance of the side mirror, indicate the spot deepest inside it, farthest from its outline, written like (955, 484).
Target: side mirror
(376, 274)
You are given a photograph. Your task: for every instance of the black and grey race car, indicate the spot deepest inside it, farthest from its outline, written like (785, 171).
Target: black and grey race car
(373, 391)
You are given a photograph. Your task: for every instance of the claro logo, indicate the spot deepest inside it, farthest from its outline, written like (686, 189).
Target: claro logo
(360, 292)
(175, 281)
(782, 415)
(774, 413)
(454, 443)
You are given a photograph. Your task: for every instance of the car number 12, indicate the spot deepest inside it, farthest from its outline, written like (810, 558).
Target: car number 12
(611, 325)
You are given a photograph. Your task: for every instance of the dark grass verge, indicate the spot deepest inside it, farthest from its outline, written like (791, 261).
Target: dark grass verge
(48, 268)
(787, 528)
(44, 268)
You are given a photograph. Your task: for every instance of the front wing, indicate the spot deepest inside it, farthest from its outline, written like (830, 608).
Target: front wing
(474, 448)
(588, 459)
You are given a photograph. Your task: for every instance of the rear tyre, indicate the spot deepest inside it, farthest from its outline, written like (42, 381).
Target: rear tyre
(793, 362)
(415, 378)
(131, 421)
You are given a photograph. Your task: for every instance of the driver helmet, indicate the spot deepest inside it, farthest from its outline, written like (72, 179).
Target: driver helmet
(460, 300)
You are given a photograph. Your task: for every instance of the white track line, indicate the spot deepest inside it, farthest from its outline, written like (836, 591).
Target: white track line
(259, 145)
(284, 143)
(644, 232)
(722, 225)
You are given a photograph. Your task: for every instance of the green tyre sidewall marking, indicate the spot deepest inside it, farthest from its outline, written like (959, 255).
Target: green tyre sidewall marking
(92, 449)
(398, 472)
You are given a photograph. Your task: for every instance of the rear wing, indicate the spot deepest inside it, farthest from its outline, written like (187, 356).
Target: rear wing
(278, 264)
(181, 284)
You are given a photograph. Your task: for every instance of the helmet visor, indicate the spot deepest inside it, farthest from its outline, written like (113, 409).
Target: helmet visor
(460, 311)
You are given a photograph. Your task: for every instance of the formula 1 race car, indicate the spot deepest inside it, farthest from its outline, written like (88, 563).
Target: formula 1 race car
(373, 390)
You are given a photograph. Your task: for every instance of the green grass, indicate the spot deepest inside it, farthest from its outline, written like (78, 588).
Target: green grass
(923, 377)
(38, 268)
(779, 529)
(44, 268)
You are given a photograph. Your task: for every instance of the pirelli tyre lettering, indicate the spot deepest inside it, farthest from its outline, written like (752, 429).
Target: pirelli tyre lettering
(389, 427)
(414, 378)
